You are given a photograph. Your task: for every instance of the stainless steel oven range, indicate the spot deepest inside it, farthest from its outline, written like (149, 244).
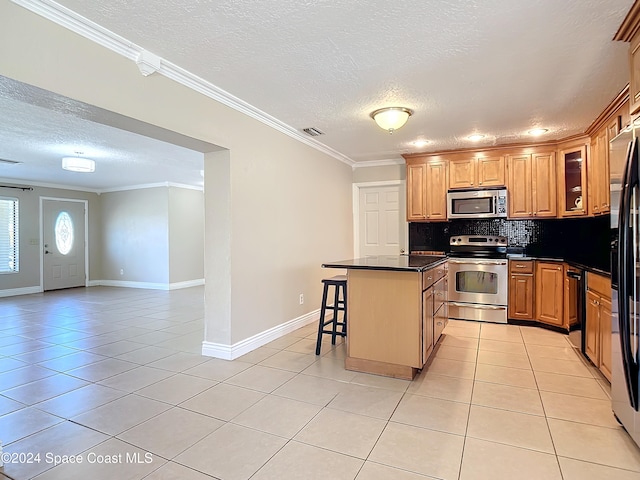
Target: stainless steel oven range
(478, 278)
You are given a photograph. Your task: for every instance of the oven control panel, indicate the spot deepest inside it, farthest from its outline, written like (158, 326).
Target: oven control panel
(478, 240)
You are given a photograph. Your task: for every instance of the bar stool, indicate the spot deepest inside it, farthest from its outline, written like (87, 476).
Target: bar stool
(339, 282)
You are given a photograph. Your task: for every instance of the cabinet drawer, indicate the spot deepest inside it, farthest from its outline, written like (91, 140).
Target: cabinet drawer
(521, 266)
(599, 283)
(439, 322)
(431, 276)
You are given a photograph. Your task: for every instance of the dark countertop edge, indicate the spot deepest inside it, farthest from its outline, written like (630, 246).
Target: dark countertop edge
(432, 264)
(579, 265)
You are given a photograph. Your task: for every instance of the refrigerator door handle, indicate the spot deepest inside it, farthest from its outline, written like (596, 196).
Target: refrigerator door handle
(626, 267)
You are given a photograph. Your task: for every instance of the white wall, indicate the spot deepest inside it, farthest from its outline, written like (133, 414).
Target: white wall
(289, 205)
(30, 249)
(186, 235)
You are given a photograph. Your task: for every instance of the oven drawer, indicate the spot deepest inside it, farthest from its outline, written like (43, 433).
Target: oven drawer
(477, 312)
(521, 266)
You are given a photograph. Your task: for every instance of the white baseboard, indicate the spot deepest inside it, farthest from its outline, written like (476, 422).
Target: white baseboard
(187, 284)
(10, 292)
(148, 285)
(230, 352)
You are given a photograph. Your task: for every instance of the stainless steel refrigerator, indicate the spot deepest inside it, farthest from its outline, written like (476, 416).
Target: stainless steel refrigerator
(625, 280)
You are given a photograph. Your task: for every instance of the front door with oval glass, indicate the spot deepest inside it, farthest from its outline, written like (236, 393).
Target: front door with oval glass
(63, 244)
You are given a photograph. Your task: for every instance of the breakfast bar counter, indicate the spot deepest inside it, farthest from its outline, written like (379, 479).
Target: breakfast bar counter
(396, 310)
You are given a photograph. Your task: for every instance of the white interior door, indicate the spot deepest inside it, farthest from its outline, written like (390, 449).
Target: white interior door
(63, 233)
(381, 224)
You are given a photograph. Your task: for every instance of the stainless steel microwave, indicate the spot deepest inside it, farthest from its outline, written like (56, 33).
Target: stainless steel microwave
(477, 204)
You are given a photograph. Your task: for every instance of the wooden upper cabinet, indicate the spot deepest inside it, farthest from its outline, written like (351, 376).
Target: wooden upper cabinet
(572, 181)
(427, 190)
(634, 82)
(544, 195)
(519, 186)
(532, 185)
(598, 167)
(594, 169)
(462, 173)
(478, 172)
(416, 192)
(436, 190)
(491, 171)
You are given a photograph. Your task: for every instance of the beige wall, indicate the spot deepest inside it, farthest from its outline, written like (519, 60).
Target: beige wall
(289, 205)
(135, 235)
(379, 174)
(30, 248)
(186, 235)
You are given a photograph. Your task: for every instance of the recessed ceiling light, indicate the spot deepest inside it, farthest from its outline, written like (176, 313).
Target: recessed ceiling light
(538, 131)
(475, 137)
(420, 143)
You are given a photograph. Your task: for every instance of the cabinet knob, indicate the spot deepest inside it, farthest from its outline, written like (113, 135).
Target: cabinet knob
(479, 183)
(429, 278)
(530, 213)
(559, 268)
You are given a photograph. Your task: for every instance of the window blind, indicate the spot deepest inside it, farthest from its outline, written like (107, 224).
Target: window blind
(9, 233)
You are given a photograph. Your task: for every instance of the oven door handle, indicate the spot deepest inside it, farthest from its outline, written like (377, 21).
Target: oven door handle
(479, 262)
(479, 307)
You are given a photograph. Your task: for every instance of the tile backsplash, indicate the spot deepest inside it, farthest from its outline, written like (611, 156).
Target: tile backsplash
(584, 240)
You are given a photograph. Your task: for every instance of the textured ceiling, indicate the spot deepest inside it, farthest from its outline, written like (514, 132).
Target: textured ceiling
(39, 128)
(498, 67)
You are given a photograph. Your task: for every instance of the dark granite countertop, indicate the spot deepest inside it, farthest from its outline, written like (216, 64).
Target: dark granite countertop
(410, 263)
(579, 265)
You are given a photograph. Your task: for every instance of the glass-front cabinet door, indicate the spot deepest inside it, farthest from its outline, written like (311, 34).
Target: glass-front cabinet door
(572, 181)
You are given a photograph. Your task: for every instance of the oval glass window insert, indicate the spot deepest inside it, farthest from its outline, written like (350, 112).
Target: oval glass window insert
(64, 233)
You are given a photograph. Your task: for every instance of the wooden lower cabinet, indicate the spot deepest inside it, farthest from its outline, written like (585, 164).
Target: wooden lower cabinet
(440, 308)
(605, 337)
(521, 290)
(592, 328)
(394, 319)
(598, 322)
(550, 293)
(427, 324)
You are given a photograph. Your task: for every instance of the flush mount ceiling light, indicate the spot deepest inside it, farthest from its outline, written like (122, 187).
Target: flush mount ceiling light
(78, 164)
(536, 132)
(391, 118)
(475, 137)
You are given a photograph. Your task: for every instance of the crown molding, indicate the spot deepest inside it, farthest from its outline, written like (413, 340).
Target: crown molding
(378, 163)
(630, 24)
(150, 185)
(82, 26)
(58, 186)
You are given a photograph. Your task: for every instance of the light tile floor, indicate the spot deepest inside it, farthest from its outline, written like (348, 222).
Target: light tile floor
(114, 377)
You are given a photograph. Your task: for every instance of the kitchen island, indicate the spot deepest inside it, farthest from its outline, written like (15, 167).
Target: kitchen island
(396, 310)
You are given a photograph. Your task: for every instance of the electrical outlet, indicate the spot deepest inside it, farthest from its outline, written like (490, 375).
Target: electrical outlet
(301, 298)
